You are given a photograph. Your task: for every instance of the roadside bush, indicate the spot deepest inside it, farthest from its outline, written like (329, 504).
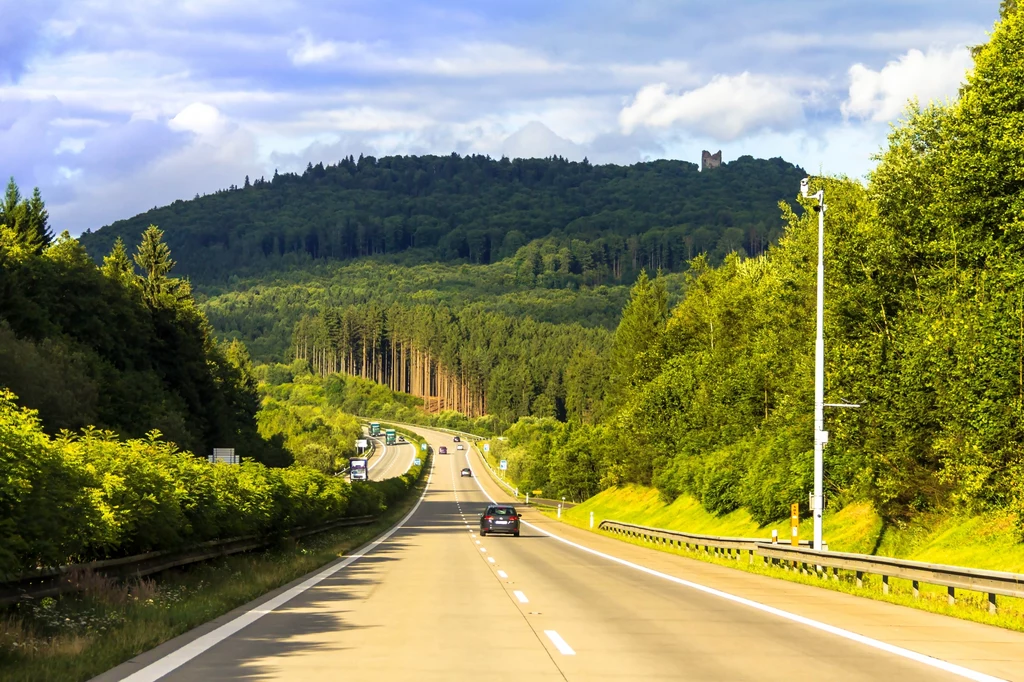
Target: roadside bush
(80, 497)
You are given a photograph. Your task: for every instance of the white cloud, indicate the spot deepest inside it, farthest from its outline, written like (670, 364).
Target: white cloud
(469, 60)
(311, 51)
(203, 166)
(199, 118)
(74, 145)
(536, 140)
(727, 108)
(882, 95)
(364, 119)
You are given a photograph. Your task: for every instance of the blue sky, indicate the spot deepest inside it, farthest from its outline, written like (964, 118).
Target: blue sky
(112, 107)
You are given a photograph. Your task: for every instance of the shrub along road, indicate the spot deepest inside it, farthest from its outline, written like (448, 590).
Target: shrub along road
(436, 601)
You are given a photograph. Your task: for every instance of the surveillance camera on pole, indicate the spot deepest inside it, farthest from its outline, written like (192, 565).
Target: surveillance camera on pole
(805, 187)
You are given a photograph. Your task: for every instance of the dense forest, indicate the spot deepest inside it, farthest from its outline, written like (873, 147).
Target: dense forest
(466, 360)
(599, 223)
(263, 312)
(924, 328)
(110, 348)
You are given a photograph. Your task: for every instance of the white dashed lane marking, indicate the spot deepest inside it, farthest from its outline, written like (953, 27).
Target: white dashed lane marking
(559, 643)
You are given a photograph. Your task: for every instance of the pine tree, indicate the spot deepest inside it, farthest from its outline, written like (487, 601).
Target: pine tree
(154, 257)
(12, 210)
(117, 265)
(37, 233)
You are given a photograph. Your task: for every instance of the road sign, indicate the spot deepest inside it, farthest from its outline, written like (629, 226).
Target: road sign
(423, 446)
(416, 462)
(362, 443)
(487, 447)
(503, 465)
(225, 455)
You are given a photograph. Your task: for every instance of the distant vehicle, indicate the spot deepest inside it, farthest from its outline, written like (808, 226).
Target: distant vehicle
(374, 428)
(499, 519)
(456, 439)
(442, 450)
(357, 469)
(467, 472)
(401, 439)
(389, 437)
(460, 446)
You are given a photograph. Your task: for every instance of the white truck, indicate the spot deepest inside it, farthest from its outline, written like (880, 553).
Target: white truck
(357, 469)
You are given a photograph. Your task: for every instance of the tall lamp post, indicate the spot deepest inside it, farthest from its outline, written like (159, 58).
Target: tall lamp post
(820, 434)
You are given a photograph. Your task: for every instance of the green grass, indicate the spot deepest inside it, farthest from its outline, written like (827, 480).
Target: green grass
(79, 636)
(987, 542)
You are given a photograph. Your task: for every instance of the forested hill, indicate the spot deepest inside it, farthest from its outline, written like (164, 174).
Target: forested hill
(616, 219)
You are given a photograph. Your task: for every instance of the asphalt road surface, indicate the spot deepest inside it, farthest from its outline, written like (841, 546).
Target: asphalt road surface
(435, 601)
(391, 460)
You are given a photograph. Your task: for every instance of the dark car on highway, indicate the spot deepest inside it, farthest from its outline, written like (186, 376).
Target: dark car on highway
(499, 518)
(456, 439)
(467, 472)
(442, 450)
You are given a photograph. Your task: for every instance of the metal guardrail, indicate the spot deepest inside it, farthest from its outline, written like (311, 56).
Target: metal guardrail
(681, 540)
(807, 560)
(990, 583)
(62, 579)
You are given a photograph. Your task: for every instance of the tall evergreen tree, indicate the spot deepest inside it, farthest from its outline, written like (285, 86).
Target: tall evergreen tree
(12, 211)
(118, 266)
(154, 257)
(39, 219)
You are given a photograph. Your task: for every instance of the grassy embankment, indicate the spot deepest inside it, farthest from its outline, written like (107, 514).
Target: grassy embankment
(77, 637)
(987, 542)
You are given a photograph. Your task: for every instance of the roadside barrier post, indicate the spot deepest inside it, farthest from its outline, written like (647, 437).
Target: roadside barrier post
(559, 511)
(794, 522)
(591, 519)
(527, 498)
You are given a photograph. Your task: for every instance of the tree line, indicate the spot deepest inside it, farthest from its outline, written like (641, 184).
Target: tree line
(472, 209)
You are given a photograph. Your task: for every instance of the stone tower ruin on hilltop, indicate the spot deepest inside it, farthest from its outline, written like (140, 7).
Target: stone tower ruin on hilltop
(709, 160)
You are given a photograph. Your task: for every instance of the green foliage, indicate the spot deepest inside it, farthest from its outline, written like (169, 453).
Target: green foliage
(309, 424)
(634, 356)
(605, 223)
(508, 368)
(91, 496)
(154, 257)
(26, 222)
(89, 346)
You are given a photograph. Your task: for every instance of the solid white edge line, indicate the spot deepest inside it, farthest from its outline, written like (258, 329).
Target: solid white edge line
(824, 627)
(179, 657)
(560, 644)
(521, 597)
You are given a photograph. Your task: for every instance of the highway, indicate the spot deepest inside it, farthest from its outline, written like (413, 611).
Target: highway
(391, 460)
(434, 601)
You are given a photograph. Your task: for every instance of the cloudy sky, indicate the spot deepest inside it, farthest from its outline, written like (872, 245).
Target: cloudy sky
(115, 106)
